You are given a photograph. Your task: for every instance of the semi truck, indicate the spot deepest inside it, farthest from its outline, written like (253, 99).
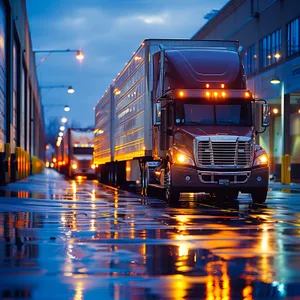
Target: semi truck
(77, 153)
(180, 118)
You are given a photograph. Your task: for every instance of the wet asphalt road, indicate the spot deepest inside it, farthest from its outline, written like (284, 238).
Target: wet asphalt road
(64, 239)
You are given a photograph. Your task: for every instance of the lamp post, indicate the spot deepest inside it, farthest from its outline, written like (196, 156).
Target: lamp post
(285, 131)
(69, 88)
(66, 107)
(79, 54)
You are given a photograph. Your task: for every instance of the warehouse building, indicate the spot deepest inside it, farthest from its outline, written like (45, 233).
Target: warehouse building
(21, 117)
(269, 31)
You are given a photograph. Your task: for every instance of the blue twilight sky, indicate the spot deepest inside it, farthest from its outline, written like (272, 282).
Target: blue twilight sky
(108, 32)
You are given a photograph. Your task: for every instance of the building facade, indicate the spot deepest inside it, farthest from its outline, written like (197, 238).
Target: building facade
(269, 32)
(22, 139)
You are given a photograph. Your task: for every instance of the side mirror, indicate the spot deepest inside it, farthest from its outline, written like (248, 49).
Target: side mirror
(265, 115)
(157, 114)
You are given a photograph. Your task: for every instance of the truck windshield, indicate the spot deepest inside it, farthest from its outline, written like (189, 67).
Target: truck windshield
(214, 114)
(83, 150)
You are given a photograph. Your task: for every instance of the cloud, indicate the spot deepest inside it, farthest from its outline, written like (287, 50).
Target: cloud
(158, 19)
(107, 32)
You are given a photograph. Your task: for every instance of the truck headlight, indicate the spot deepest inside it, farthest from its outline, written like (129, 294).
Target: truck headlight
(93, 166)
(183, 159)
(261, 160)
(74, 166)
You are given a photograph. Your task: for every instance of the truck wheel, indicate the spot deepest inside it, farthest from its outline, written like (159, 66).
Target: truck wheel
(172, 195)
(259, 195)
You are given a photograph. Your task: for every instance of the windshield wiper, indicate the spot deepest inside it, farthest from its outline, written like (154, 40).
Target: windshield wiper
(229, 122)
(198, 123)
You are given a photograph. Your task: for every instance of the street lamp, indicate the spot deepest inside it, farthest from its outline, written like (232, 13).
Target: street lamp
(61, 134)
(79, 54)
(275, 80)
(64, 120)
(70, 89)
(62, 128)
(67, 108)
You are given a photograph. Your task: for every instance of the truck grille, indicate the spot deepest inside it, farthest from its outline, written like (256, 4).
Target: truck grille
(225, 153)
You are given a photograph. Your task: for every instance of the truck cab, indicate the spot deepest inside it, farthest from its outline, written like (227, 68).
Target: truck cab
(206, 126)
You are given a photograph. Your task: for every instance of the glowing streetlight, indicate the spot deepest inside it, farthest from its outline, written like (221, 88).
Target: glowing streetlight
(62, 128)
(67, 108)
(79, 55)
(61, 134)
(64, 120)
(275, 80)
(71, 90)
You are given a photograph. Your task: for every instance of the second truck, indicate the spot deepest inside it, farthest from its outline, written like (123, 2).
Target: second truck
(179, 117)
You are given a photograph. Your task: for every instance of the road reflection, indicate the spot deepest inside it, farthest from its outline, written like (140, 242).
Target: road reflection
(87, 240)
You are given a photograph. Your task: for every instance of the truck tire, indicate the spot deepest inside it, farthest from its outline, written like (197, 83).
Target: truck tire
(259, 195)
(172, 195)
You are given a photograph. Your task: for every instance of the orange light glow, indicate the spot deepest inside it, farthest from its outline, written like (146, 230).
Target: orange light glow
(275, 111)
(181, 93)
(54, 160)
(222, 85)
(269, 57)
(79, 55)
(207, 94)
(207, 85)
(128, 169)
(223, 94)
(215, 94)
(247, 94)
(298, 111)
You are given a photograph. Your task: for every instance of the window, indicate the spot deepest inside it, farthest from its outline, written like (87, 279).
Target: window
(236, 113)
(270, 48)
(250, 60)
(293, 37)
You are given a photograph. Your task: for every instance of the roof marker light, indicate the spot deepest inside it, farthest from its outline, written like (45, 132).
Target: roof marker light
(207, 94)
(222, 85)
(207, 85)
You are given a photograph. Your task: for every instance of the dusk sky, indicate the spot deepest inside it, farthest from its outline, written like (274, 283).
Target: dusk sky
(108, 32)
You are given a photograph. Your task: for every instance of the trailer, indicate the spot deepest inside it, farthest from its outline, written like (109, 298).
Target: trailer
(179, 117)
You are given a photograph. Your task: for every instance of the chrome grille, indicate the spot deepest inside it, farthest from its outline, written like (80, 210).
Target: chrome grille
(224, 153)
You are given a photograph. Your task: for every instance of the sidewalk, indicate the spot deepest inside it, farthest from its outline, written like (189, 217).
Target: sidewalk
(278, 185)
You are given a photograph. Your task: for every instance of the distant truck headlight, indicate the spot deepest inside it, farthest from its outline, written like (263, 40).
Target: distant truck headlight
(74, 166)
(261, 160)
(183, 159)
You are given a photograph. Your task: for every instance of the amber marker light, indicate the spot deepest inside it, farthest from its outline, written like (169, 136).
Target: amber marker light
(181, 93)
(223, 94)
(207, 86)
(207, 94)
(222, 85)
(247, 95)
(215, 94)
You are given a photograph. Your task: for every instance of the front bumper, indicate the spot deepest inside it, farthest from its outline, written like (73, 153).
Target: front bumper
(188, 179)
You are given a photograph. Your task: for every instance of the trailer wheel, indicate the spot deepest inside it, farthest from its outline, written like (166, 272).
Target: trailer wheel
(172, 195)
(259, 195)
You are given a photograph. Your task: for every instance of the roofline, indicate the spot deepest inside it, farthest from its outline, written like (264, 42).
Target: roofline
(221, 15)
